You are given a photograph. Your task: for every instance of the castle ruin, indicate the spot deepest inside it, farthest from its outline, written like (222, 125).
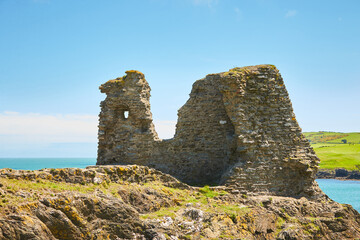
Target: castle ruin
(237, 129)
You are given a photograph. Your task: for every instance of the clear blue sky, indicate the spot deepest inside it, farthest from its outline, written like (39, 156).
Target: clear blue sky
(55, 53)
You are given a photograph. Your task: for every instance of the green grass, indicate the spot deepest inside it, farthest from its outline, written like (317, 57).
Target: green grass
(333, 153)
(169, 212)
(207, 192)
(232, 209)
(351, 138)
(338, 155)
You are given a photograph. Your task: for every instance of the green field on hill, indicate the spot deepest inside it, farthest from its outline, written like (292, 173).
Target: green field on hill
(334, 151)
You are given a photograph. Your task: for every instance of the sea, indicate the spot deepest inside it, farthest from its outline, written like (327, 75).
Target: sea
(338, 190)
(39, 163)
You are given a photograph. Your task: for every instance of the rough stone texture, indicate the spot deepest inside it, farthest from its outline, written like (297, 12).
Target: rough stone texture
(96, 175)
(136, 202)
(237, 128)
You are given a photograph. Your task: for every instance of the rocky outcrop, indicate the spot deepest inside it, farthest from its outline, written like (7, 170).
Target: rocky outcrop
(133, 202)
(96, 175)
(339, 173)
(237, 129)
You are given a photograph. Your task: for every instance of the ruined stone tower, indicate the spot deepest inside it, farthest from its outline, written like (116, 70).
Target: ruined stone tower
(237, 129)
(125, 121)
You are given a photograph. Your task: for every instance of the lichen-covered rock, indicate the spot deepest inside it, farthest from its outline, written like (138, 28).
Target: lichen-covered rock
(96, 175)
(237, 128)
(142, 203)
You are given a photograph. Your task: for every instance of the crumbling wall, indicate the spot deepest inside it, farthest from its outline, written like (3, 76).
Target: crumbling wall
(237, 128)
(126, 132)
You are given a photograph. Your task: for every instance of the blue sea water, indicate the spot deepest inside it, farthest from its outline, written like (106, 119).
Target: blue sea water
(340, 191)
(39, 163)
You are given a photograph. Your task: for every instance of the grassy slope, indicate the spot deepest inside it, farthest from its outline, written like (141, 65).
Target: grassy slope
(338, 155)
(332, 152)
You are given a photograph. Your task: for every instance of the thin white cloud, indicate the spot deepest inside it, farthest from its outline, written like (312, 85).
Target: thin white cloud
(40, 128)
(24, 128)
(291, 13)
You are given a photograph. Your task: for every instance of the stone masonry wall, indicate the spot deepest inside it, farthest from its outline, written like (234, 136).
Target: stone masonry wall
(237, 129)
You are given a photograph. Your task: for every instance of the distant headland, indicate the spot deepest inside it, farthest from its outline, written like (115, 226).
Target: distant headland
(338, 152)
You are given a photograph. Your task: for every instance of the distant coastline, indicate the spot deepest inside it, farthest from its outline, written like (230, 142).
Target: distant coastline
(339, 174)
(338, 153)
(41, 163)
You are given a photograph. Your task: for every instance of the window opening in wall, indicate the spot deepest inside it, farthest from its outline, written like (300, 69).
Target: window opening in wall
(126, 114)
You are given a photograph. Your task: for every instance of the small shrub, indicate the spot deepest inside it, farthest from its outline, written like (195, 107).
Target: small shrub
(208, 192)
(233, 218)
